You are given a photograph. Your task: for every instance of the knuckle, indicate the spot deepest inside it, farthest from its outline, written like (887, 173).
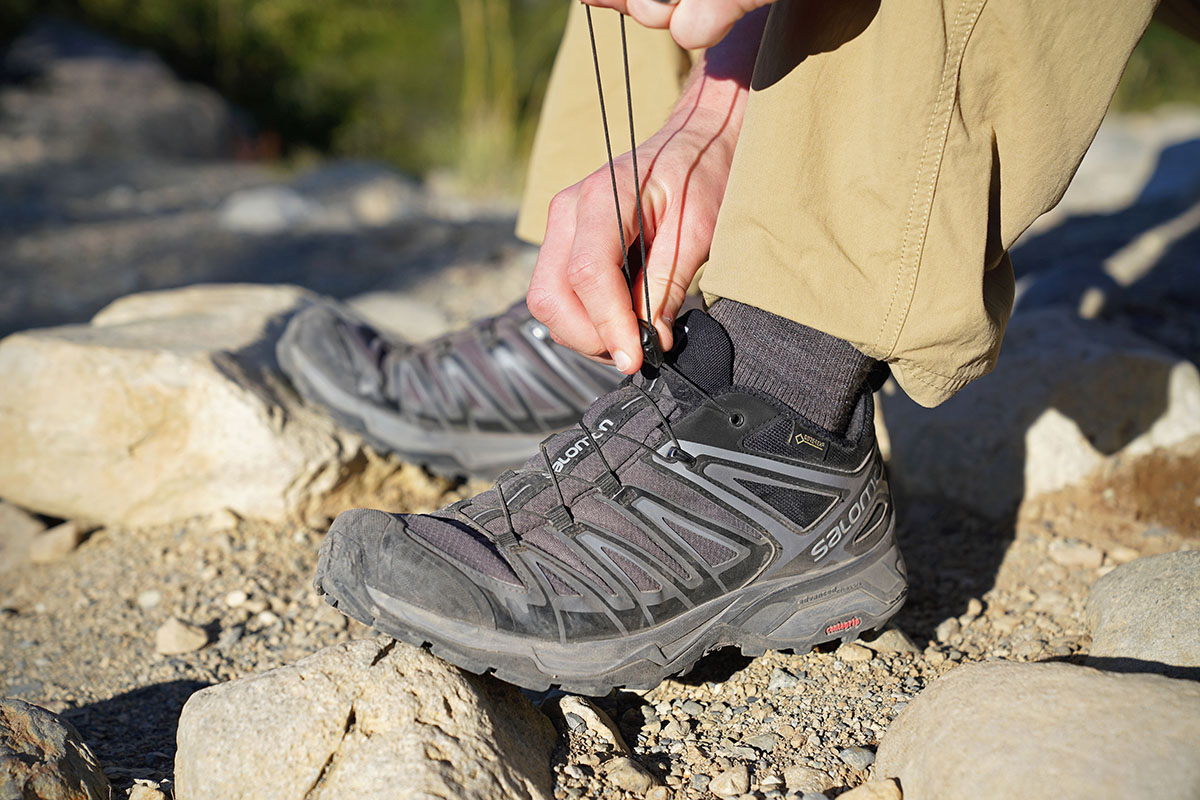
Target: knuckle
(584, 270)
(543, 305)
(561, 203)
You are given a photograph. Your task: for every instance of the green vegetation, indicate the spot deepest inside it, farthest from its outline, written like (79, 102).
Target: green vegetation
(423, 84)
(1165, 68)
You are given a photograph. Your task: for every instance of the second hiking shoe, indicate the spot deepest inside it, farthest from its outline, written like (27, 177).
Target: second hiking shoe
(682, 514)
(472, 402)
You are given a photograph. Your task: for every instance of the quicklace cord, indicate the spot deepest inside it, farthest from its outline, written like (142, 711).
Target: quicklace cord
(612, 169)
(637, 181)
(651, 347)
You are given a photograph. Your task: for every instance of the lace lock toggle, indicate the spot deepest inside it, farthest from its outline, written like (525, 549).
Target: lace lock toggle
(652, 352)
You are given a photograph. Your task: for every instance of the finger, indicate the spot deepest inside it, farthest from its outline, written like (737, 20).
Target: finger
(697, 24)
(651, 13)
(594, 273)
(678, 253)
(551, 298)
(619, 5)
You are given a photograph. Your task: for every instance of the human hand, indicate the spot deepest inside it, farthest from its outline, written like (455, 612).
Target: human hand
(694, 24)
(578, 289)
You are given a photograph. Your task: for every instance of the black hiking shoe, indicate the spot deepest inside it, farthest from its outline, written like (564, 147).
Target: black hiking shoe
(683, 514)
(472, 402)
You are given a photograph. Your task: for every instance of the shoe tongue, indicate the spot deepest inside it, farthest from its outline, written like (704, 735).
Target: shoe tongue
(703, 351)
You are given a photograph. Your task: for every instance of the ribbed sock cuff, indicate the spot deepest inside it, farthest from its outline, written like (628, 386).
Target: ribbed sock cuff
(818, 375)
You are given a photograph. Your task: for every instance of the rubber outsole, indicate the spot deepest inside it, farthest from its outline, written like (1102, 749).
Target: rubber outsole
(794, 614)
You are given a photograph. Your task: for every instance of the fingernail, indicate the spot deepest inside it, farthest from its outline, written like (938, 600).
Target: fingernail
(621, 360)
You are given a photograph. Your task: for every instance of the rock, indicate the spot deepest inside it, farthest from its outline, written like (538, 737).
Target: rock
(893, 640)
(781, 680)
(629, 775)
(594, 720)
(858, 758)
(764, 741)
(266, 210)
(875, 790)
(800, 778)
(853, 653)
(1122, 554)
(357, 193)
(365, 719)
(42, 757)
(400, 314)
(1072, 554)
(58, 542)
(146, 791)
(1067, 398)
(176, 637)
(1143, 615)
(731, 783)
(947, 629)
(176, 411)
(17, 531)
(101, 101)
(658, 793)
(149, 598)
(1002, 730)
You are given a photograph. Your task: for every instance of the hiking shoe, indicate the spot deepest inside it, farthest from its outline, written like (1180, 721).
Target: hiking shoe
(475, 402)
(681, 515)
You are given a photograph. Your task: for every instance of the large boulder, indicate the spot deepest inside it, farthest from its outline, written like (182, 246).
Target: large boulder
(42, 757)
(167, 406)
(1001, 730)
(1067, 398)
(81, 96)
(1143, 616)
(371, 720)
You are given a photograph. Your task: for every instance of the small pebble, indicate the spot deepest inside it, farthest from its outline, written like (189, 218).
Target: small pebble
(732, 782)
(627, 774)
(149, 598)
(58, 542)
(763, 741)
(858, 758)
(236, 599)
(854, 653)
(781, 679)
(1078, 555)
(800, 778)
(948, 629)
(176, 637)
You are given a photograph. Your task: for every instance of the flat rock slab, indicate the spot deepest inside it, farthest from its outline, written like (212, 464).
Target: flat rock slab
(1144, 616)
(367, 719)
(1000, 730)
(167, 406)
(42, 757)
(1068, 397)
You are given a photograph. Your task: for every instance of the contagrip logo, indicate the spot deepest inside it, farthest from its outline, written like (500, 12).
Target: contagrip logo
(581, 446)
(841, 529)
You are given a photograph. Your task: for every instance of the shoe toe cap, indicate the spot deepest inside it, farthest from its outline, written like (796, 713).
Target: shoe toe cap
(370, 559)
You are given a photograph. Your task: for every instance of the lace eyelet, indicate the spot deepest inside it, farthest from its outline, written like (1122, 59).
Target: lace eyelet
(737, 420)
(679, 455)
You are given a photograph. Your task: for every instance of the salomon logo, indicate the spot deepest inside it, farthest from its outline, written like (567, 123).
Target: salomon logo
(843, 526)
(581, 446)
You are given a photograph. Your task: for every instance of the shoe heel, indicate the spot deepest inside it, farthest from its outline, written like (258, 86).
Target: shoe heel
(840, 606)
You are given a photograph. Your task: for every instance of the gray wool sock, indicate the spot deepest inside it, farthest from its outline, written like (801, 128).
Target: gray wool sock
(818, 375)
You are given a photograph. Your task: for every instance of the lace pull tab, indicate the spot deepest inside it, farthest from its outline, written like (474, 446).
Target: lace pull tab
(652, 352)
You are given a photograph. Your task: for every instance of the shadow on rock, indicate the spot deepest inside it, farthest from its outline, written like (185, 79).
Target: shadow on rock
(133, 734)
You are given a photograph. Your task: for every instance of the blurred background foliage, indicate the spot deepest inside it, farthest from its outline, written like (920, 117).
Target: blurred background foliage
(422, 84)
